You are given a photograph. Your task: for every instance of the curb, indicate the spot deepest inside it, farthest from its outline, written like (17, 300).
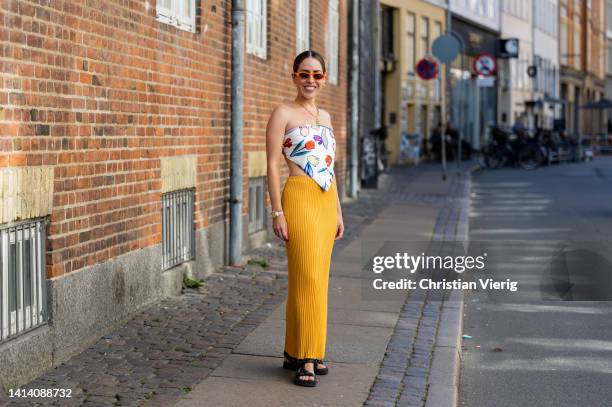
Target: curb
(443, 381)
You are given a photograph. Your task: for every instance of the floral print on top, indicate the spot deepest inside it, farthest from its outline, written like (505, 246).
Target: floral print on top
(313, 148)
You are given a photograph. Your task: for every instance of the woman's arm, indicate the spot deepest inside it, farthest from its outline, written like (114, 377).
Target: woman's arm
(274, 143)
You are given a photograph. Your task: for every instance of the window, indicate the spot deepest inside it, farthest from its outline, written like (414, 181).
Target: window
(424, 36)
(23, 288)
(302, 28)
(410, 32)
(490, 9)
(525, 82)
(609, 57)
(332, 45)
(609, 17)
(563, 35)
(437, 29)
(554, 81)
(387, 37)
(256, 27)
(521, 71)
(179, 13)
(257, 204)
(178, 232)
(577, 44)
(480, 7)
(554, 20)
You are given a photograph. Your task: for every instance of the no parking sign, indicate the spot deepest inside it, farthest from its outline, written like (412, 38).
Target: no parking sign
(427, 68)
(485, 64)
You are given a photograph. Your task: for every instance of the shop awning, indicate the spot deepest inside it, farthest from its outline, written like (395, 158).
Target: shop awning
(540, 102)
(600, 104)
(554, 101)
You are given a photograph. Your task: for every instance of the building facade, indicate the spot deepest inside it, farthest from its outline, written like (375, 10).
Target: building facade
(412, 106)
(570, 57)
(609, 55)
(545, 105)
(582, 58)
(474, 98)
(115, 125)
(594, 63)
(513, 82)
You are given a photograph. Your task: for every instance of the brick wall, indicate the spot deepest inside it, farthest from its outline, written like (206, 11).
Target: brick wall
(101, 92)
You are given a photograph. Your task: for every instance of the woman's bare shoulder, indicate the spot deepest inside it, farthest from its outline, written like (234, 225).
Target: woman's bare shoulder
(282, 113)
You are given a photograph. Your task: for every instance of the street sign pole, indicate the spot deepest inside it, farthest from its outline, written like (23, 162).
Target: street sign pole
(446, 48)
(446, 115)
(448, 91)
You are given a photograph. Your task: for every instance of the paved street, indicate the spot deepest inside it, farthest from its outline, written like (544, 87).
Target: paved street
(549, 343)
(221, 344)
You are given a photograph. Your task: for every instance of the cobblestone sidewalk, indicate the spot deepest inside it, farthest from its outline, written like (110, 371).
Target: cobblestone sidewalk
(164, 350)
(403, 379)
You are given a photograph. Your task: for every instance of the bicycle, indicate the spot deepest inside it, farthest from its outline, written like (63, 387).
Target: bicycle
(507, 148)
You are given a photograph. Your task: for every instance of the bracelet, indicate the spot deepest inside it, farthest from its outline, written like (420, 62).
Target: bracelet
(276, 214)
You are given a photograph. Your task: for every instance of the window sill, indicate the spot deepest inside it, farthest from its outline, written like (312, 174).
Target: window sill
(174, 23)
(257, 54)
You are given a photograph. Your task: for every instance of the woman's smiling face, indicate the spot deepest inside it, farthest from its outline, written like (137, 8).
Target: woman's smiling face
(308, 87)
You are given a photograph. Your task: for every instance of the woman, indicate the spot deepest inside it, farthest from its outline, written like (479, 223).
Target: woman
(307, 216)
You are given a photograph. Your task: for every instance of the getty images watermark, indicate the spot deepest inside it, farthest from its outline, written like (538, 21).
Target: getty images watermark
(390, 268)
(544, 270)
(422, 262)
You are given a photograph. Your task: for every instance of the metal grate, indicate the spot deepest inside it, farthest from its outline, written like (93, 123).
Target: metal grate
(178, 232)
(23, 288)
(257, 204)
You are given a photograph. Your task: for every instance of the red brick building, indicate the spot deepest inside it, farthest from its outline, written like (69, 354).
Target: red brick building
(106, 110)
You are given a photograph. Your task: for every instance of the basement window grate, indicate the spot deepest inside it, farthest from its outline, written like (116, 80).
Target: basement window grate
(23, 284)
(178, 231)
(257, 204)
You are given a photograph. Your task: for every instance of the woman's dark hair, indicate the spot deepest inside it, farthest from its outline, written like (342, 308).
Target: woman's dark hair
(308, 54)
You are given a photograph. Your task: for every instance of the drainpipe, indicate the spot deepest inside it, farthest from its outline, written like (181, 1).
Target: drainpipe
(378, 92)
(238, 22)
(354, 102)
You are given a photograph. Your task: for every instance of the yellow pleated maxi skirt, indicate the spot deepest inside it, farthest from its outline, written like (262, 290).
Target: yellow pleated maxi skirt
(311, 215)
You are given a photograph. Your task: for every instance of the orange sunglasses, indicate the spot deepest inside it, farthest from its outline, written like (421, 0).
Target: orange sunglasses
(317, 76)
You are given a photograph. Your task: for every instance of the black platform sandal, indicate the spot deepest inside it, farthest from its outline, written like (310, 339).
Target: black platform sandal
(290, 362)
(301, 371)
(323, 371)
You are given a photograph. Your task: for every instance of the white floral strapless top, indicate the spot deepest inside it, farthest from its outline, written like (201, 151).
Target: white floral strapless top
(313, 148)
